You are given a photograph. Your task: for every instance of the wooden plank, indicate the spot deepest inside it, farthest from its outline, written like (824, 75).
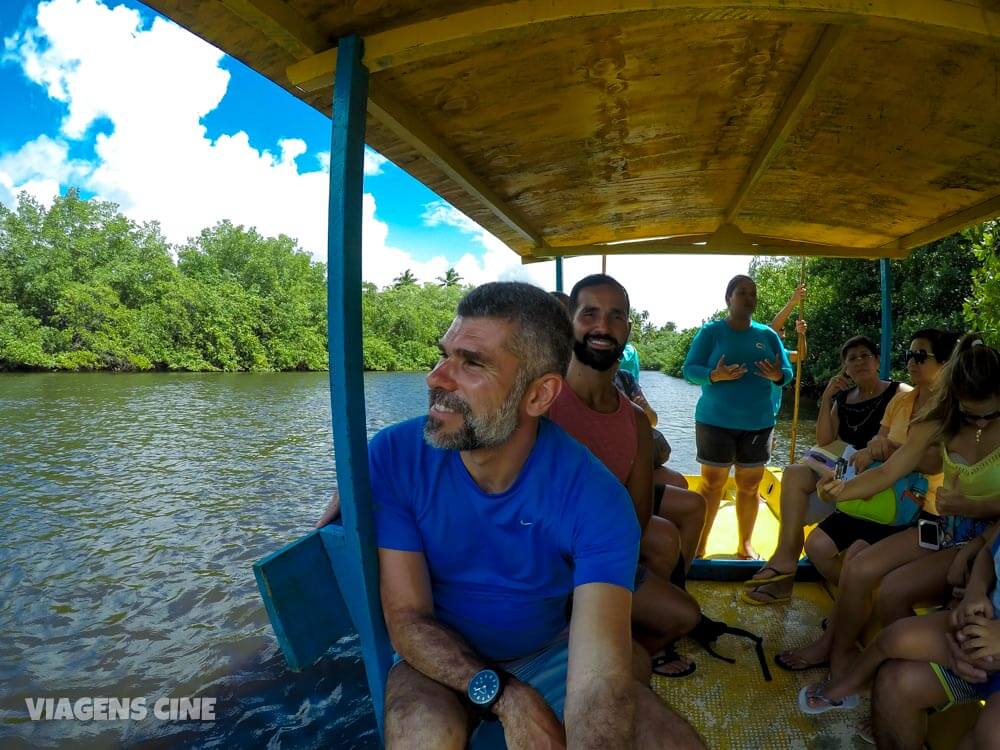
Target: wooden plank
(412, 130)
(282, 25)
(347, 393)
(970, 217)
(465, 29)
(303, 601)
(699, 245)
(832, 41)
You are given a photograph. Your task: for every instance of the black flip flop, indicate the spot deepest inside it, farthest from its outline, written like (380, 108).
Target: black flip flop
(789, 668)
(669, 656)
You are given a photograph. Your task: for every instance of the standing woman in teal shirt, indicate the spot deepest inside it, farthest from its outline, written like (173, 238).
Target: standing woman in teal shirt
(735, 361)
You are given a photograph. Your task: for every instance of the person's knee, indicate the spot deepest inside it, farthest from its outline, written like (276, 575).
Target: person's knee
(798, 477)
(986, 732)
(900, 691)
(861, 571)
(655, 722)
(819, 545)
(748, 480)
(419, 717)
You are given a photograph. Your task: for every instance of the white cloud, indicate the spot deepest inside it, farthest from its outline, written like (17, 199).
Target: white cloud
(154, 85)
(684, 289)
(38, 168)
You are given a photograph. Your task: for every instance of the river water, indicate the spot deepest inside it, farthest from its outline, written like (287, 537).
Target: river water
(134, 506)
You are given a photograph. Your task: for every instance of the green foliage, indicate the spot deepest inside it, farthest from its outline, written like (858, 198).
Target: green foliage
(83, 287)
(982, 308)
(21, 339)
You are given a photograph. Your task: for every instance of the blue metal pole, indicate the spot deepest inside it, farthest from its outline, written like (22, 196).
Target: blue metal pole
(559, 275)
(885, 365)
(356, 561)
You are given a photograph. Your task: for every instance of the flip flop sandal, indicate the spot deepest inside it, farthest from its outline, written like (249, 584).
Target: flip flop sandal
(826, 703)
(669, 656)
(752, 583)
(864, 732)
(782, 662)
(774, 598)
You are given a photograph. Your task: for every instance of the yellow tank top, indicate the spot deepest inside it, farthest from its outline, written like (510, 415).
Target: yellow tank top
(979, 481)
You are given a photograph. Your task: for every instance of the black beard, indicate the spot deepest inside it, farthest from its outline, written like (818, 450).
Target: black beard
(602, 360)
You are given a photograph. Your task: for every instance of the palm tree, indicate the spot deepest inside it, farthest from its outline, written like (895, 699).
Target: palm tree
(451, 278)
(406, 278)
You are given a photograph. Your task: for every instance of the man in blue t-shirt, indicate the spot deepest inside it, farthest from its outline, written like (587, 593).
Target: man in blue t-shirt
(488, 517)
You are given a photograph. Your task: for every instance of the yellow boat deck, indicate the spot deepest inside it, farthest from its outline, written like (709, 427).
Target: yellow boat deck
(731, 704)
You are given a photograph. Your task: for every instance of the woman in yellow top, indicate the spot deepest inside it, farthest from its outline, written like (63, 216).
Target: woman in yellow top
(873, 550)
(963, 422)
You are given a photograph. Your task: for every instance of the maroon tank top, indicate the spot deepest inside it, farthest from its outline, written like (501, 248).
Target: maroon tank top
(610, 437)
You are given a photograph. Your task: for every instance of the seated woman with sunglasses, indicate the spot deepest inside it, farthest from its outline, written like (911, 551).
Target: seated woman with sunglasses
(963, 423)
(874, 550)
(851, 410)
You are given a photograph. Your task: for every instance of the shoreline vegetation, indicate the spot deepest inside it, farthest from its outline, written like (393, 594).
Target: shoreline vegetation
(84, 288)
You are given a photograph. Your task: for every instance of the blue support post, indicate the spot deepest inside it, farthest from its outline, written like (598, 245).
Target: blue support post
(885, 365)
(559, 278)
(355, 562)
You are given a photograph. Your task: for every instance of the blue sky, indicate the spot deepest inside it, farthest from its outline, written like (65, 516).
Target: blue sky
(111, 98)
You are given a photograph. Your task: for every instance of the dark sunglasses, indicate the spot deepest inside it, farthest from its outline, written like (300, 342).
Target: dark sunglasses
(979, 417)
(917, 355)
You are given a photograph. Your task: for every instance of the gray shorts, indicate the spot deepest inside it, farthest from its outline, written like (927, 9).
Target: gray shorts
(545, 670)
(720, 446)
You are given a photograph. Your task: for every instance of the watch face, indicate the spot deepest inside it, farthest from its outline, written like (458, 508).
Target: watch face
(484, 687)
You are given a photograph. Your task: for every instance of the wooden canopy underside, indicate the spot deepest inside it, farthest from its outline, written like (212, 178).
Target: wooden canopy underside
(820, 127)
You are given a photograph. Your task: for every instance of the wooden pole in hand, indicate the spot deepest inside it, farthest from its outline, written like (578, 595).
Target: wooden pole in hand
(798, 369)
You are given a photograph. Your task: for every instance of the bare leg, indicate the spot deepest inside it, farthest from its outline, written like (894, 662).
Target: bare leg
(747, 505)
(660, 547)
(420, 712)
(713, 482)
(923, 580)
(986, 734)
(661, 613)
(686, 510)
(797, 483)
(915, 638)
(903, 693)
(824, 555)
(860, 576)
(664, 475)
(819, 650)
(641, 666)
(658, 726)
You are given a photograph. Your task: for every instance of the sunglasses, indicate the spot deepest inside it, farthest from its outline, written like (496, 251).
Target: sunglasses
(917, 355)
(973, 418)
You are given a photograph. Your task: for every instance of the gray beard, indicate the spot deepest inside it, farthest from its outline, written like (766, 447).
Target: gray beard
(486, 431)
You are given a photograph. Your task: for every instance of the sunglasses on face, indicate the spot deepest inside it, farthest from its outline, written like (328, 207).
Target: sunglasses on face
(917, 355)
(973, 418)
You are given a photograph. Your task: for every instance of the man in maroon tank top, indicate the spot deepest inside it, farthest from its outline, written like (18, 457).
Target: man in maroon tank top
(592, 409)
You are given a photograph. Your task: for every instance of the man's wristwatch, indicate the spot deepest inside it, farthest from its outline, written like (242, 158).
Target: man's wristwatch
(485, 689)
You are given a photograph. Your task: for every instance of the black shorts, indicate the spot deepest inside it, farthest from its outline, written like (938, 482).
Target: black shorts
(658, 490)
(720, 446)
(845, 530)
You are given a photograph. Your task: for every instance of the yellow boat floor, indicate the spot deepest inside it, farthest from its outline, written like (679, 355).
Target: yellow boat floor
(731, 704)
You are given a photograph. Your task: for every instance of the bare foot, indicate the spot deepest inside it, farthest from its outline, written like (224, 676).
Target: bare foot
(773, 568)
(771, 592)
(747, 552)
(814, 654)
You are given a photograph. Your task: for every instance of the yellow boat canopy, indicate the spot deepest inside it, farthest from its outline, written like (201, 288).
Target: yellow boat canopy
(788, 127)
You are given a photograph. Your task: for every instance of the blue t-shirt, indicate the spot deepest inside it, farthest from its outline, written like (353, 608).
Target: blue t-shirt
(503, 566)
(744, 404)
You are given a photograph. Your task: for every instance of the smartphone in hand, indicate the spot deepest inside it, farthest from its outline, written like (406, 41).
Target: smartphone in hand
(840, 469)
